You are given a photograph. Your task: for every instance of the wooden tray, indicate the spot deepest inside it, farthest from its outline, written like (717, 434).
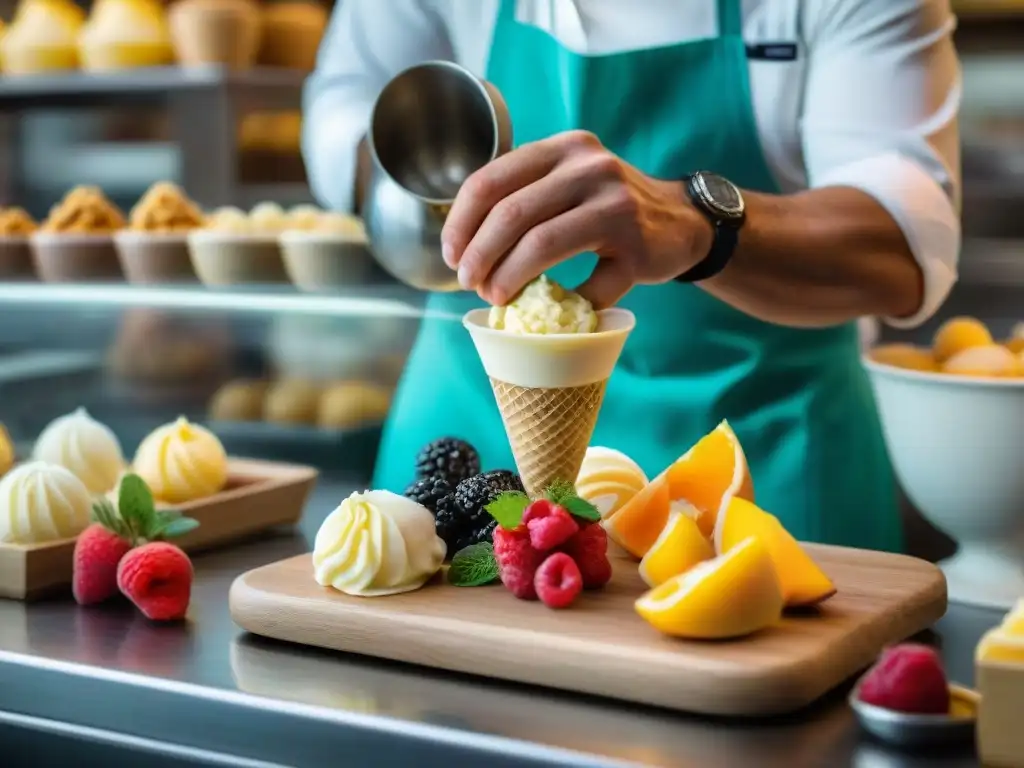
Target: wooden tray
(600, 645)
(259, 495)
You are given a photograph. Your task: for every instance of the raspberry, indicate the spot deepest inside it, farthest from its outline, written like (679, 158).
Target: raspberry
(558, 581)
(157, 577)
(908, 678)
(550, 525)
(589, 548)
(98, 550)
(517, 561)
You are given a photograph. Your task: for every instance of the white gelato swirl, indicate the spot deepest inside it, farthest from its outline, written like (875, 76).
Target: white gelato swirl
(42, 502)
(608, 479)
(181, 462)
(85, 447)
(377, 543)
(545, 307)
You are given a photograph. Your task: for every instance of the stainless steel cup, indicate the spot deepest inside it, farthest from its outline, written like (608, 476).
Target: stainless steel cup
(432, 126)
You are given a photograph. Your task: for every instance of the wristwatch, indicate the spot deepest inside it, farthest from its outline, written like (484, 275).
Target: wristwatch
(722, 203)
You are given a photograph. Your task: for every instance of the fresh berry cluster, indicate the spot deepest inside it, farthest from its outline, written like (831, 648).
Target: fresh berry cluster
(551, 554)
(449, 483)
(124, 551)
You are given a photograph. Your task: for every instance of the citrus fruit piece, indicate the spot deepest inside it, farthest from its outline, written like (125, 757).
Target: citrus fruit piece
(608, 479)
(706, 476)
(678, 548)
(803, 582)
(957, 334)
(905, 356)
(1016, 345)
(1000, 646)
(731, 595)
(990, 360)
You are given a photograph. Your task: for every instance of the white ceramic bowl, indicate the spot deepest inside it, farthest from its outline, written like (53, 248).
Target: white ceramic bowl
(152, 257)
(320, 261)
(226, 258)
(70, 258)
(957, 447)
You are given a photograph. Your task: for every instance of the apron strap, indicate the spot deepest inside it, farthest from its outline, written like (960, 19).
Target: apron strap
(730, 18)
(507, 11)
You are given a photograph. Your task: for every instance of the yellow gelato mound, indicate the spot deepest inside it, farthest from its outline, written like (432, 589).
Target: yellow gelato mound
(124, 34)
(43, 37)
(6, 451)
(15, 222)
(165, 208)
(182, 462)
(84, 210)
(263, 219)
(545, 307)
(377, 543)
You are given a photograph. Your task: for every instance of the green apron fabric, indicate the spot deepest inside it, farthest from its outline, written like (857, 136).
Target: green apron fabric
(797, 399)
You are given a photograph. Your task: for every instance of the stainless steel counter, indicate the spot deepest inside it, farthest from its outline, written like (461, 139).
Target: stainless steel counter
(103, 680)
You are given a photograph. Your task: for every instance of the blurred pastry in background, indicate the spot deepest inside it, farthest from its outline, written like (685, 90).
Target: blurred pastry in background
(291, 34)
(85, 210)
(228, 219)
(165, 208)
(43, 37)
(278, 132)
(268, 218)
(352, 404)
(125, 34)
(157, 348)
(264, 219)
(15, 222)
(240, 400)
(342, 225)
(292, 401)
(224, 32)
(304, 217)
(388, 369)
(6, 451)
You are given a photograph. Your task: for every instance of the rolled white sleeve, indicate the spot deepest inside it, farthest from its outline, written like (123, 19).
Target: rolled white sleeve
(880, 114)
(365, 45)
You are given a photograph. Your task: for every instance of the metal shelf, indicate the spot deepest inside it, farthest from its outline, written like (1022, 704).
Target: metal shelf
(263, 88)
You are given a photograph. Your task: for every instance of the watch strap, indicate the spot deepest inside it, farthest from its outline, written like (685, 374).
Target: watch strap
(718, 258)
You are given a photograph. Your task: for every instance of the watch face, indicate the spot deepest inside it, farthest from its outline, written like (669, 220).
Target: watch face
(721, 194)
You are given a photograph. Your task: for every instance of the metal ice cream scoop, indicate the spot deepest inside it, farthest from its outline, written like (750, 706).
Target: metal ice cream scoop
(432, 126)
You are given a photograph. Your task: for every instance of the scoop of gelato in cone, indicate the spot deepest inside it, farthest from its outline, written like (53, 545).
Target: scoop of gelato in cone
(549, 388)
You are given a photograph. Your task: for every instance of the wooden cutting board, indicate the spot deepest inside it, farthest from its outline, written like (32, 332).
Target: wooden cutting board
(600, 645)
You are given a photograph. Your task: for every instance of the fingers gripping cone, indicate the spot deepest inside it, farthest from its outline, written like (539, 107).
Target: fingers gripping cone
(549, 389)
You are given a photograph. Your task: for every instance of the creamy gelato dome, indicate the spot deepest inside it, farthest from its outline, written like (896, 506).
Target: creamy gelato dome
(83, 446)
(182, 462)
(377, 543)
(42, 502)
(545, 307)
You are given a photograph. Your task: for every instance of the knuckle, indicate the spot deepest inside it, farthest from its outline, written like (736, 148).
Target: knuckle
(582, 139)
(539, 240)
(620, 201)
(478, 185)
(508, 213)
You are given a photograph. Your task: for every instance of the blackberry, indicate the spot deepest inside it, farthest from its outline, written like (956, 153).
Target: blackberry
(461, 518)
(428, 491)
(450, 458)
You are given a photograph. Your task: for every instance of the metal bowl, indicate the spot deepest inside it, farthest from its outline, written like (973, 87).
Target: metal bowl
(432, 126)
(911, 730)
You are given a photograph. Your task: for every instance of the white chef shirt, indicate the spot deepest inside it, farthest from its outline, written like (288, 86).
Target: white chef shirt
(871, 101)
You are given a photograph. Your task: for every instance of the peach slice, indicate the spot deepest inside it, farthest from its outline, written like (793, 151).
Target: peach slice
(732, 595)
(957, 334)
(678, 548)
(905, 356)
(706, 476)
(803, 582)
(988, 360)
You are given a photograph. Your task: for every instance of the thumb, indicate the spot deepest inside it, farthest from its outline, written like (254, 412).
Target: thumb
(609, 282)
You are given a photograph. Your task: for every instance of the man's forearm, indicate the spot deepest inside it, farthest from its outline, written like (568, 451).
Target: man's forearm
(818, 258)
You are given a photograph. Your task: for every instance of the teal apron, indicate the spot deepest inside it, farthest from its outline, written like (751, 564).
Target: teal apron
(798, 399)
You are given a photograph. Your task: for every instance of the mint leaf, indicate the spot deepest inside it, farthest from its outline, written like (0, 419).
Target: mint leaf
(508, 508)
(103, 512)
(560, 491)
(474, 566)
(581, 508)
(136, 506)
(177, 527)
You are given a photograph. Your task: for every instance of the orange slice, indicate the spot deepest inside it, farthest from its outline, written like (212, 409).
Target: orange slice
(957, 334)
(988, 360)
(706, 476)
(905, 356)
(732, 595)
(803, 582)
(608, 479)
(680, 546)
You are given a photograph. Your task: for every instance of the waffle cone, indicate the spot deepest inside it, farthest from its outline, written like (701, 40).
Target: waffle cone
(549, 429)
